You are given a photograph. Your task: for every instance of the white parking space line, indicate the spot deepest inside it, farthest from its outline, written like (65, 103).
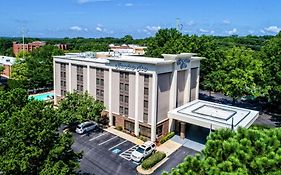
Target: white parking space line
(97, 136)
(117, 144)
(127, 154)
(108, 140)
(83, 135)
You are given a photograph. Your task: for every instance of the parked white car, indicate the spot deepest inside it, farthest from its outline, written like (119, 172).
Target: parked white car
(143, 151)
(86, 127)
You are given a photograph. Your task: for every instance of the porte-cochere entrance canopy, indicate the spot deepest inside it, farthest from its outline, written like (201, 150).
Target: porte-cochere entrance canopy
(213, 115)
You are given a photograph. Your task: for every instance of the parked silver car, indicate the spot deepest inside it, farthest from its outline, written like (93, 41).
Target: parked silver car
(86, 127)
(143, 151)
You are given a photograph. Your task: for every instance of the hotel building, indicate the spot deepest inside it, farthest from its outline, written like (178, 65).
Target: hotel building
(137, 91)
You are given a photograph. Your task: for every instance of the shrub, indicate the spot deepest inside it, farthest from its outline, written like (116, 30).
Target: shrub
(119, 128)
(167, 137)
(143, 138)
(153, 160)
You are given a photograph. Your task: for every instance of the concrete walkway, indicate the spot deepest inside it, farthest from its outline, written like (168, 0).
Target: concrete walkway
(123, 135)
(188, 143)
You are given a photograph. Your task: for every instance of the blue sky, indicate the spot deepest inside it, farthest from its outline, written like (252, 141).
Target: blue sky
(139, 18)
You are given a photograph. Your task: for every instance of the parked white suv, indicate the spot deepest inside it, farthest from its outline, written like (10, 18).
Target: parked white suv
(143, 151)
(86, 127)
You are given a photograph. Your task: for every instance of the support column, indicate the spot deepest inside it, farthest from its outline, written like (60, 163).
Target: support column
(110, 98)
(69, 78)
(88, 79)
(173, 91)
(154, 107)
(137, 104)
(197, 83)
(171, 124)
(55, 88)
(182, 132)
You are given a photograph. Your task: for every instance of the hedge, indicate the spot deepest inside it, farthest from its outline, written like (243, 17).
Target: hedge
(167, 137)
(153, 160)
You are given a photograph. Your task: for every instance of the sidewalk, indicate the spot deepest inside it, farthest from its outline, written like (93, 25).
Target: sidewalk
(124, 135)
(169, 147)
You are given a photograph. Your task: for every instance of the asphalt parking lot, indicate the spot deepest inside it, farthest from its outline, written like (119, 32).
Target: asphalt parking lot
(104, 154)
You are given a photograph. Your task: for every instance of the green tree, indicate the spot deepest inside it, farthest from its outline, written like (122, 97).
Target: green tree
(244, 74)
(127, 39)
(78, 107)
(271, 56)
(1, 69)
(30, 142)
(246, 151)
(36, 69)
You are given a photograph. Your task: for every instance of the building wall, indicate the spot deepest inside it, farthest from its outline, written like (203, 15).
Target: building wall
(106, 88)
(92, 82)
(163, 101)
(150, 100)
(74, 77)
(132, 88)
(57, 79)
(193, 83)
(115, 92)
(141, 97)
(181, 82)
(67, 78)
(85, 78)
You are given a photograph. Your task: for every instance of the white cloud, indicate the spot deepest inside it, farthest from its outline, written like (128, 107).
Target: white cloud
(129, 4)
(232, 32)
(203, 30)
(75, 28)
(152, 28)
(251, 32)
(99, 29)
(273, 29)
(225, 21)
(262, 31)
(88, 1)
(212, 32)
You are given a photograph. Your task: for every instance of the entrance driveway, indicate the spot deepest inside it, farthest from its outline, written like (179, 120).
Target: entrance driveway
(174, 159)
(104, 154)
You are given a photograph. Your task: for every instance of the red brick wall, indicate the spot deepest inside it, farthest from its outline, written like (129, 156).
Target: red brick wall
(119, 120)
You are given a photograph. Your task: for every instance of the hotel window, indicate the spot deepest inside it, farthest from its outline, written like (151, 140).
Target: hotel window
(99, 84)
(145, 117)
(145, 91)
(79, 78)
(124, 93)
(63, 78)
(129, 126)
(159, 130)
(126, 87)
(144, 131)
(145, 104)
(126, 99)
(146, 78)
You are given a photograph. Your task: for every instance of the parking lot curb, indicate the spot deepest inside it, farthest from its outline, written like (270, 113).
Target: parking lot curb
(124, 136)
(142, 171)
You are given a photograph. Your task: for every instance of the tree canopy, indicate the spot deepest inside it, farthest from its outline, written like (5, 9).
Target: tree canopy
(247, 151)
(78, 107)
(36, 69)
(29, 138)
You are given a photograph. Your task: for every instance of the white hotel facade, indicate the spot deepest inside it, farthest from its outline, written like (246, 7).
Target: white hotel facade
(143, 94)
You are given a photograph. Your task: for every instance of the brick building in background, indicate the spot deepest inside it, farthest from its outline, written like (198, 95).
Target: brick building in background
(7, 63)
(17, 47)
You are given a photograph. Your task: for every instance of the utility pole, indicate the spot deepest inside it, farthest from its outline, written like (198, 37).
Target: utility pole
(23, 32)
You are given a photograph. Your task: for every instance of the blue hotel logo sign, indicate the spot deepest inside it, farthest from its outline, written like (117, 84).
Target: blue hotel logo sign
(131, 67)
(182, 63)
